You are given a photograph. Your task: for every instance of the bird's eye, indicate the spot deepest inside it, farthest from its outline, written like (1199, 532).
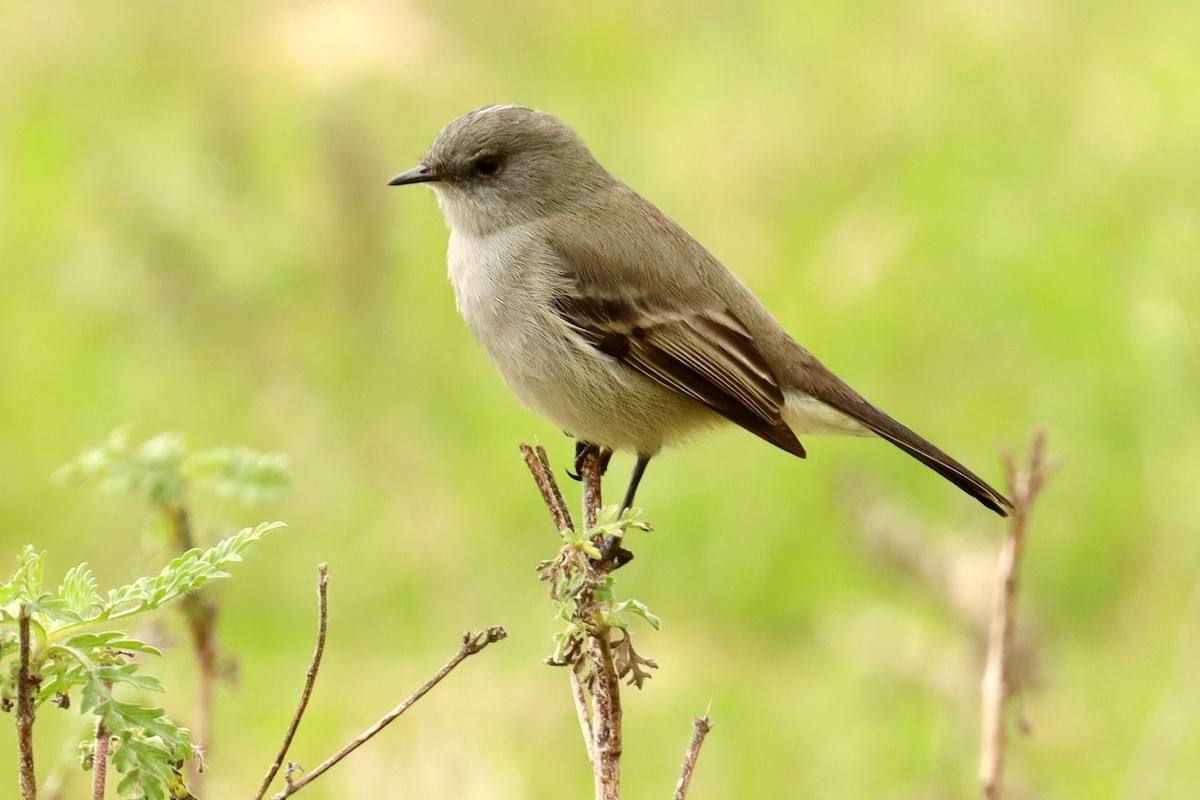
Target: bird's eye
(487, 166)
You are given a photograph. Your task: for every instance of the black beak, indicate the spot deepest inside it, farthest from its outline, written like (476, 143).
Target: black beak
(415, 175)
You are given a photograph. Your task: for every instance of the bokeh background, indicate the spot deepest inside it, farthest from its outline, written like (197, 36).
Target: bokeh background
(984, 215)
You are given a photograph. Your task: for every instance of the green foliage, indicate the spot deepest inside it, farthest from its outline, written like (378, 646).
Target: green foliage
(91, 668)
(584, 599)
(162, 468)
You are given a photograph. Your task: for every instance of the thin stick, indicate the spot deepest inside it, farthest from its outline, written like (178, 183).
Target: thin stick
(558, 497)
(310, 677)
(601, 723)
(26, 696)
(700, 728)
(543, 476)
(605, 685)
(201, 613)
(1024, 486)
(606, 723)
(590, 472)
(100, 758)
(472, 643)
(585, 715)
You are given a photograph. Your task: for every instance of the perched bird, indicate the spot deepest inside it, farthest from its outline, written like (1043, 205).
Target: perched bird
(605, 317)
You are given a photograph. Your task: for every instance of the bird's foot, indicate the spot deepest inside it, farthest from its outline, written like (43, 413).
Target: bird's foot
(582, 449)
(613, 555)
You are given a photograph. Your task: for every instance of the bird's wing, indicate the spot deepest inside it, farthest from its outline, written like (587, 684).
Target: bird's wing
(701, 333)
(707, 354)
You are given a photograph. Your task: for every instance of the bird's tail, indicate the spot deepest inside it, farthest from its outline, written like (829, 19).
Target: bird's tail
(852, 404)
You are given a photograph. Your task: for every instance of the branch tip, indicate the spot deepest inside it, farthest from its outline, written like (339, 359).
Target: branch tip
(1025, 483)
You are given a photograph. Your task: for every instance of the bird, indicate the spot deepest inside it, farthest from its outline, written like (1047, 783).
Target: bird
(607, 318)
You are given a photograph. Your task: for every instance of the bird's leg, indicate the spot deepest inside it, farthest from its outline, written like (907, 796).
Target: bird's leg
(612, 550)
(639, 469)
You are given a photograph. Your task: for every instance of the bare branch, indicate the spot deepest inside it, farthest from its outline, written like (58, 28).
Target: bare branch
(200, 611)
(585, 715)
(543, 476)
(597, 663)
(606, 718)
(1024, 486)
(590, 472)
(310, 677)
(700, 728)
(472, 643)
(605, 685)
(27, 688)
(100, 758)
(601, 722)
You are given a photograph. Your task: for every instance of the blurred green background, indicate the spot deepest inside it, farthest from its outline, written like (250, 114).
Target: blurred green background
(982, 215)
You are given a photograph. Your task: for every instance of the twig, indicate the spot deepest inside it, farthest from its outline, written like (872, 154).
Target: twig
(201, 614)
(585, 716)
(27, 685)
(606, 718)
(700, 728)
(1024, 486)
(590, 472)
(100, 758)
(601, 723)
(605, 685)
(543, 476)
(472, 643)
(310, 677)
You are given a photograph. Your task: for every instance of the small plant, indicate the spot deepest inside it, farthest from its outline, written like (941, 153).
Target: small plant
(583, 598)
(164, 467)
(595, 641)
(68, 645)
(163, 471)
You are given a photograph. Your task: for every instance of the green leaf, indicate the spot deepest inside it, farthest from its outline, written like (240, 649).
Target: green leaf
(183, 574)
(160, 468)
(623, 611)
(239, 472)
(581, 541)
(612, 521)
(152, 768)
(114, 640)
(25, 585)
(53, 609)
(151, 470)
(79, 591)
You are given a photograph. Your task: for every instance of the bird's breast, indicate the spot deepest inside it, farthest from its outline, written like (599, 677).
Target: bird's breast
(504, 286)
(500, 287)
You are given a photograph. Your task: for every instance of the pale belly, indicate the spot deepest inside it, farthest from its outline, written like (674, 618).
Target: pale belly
(503, 289)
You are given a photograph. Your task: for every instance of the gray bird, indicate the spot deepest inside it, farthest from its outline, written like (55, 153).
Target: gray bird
(605, 317)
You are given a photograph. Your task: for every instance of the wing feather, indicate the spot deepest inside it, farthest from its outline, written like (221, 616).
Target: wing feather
(706, 355)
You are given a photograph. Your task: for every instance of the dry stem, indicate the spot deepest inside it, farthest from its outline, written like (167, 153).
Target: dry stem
(606, 718)
(585, 717)
(472, 643)
(27, 687)
(543, 476)
(201, 614)
(601, 723)
(1024, 486)
(310, 677)
(700, 728)
(590, 472)
(100, 759)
